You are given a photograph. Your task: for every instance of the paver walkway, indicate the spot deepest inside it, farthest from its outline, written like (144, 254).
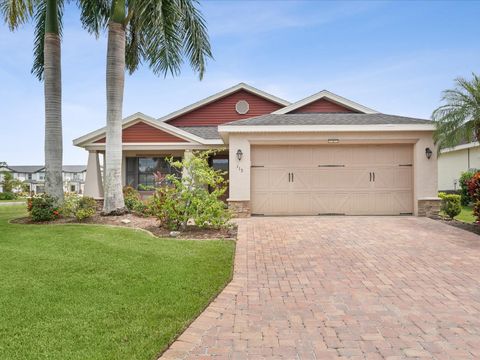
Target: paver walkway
(344, 287)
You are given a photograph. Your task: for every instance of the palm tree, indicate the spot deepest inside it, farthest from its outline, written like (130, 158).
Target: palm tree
(46, 66)
(160, 33)
(459, 119)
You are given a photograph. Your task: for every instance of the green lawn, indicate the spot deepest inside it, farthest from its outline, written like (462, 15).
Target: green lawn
(466, 215)
(93, 292)
(16, 200)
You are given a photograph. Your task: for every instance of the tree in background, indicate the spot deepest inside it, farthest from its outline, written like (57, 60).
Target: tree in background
(159, 33)
(458, 119)
(47, 15)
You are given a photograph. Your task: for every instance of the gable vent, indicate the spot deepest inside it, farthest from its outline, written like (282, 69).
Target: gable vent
(242, 107)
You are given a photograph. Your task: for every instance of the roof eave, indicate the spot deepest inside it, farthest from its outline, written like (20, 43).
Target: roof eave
(226, 129)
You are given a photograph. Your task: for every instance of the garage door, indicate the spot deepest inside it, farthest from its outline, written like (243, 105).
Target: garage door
(335, 179)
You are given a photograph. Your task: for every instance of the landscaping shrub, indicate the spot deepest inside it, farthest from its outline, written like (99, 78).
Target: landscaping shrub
(43, 208)
(195, 196)
(77, 206)
(70, 205)
(133, 202)
(463, 182)
(451, 204)
(87, 207)
(474, 191)
(7, 196)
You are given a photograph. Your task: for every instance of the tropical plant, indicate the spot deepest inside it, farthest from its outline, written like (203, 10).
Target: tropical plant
(474, 192)
(159, 33)
(459, 118)
(463, 182)
(451, 205)
(195, 196)
(47, 15)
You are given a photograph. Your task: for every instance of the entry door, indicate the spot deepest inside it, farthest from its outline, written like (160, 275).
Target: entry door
(350, 180)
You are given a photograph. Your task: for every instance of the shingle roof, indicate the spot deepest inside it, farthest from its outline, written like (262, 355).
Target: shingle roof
(206, 132)
(25, 168)
(36, 168)
(328, 119)
(74, 168)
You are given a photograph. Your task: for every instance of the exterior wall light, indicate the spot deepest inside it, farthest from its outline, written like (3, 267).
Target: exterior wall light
(239, 154)
(333, 141)
(428, 153)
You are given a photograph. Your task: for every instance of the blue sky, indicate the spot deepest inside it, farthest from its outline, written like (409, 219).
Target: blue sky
(393, 56)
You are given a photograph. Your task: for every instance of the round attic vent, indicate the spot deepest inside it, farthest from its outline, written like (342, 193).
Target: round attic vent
(242, 107)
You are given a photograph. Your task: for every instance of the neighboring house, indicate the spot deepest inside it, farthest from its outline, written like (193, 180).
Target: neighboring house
(453, 161)
(321, 155)
(34, 176)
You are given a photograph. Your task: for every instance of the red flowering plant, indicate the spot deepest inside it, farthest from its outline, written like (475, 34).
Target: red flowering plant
(473, 186)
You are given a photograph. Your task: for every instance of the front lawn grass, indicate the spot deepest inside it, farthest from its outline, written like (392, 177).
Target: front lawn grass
(466, 215)
(96, 292)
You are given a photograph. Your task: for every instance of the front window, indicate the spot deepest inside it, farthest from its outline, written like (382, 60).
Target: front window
(141, 171)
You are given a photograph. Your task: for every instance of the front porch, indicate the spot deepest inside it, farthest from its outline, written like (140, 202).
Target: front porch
(140, 169)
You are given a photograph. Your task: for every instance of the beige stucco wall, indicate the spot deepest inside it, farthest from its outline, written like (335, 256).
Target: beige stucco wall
(424, 170)
(451, 164)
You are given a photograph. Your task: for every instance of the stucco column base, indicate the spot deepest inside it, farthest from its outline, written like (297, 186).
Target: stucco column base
(240, 208)
(429, 207)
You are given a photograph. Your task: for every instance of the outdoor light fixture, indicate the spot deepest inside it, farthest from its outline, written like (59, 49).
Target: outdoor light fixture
(333, 141)
(239, 154)
(428, 153)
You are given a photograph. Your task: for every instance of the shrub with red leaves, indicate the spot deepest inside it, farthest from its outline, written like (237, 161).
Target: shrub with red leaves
(474, 191)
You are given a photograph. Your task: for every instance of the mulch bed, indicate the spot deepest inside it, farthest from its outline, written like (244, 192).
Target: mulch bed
(474, 228)
(150, 224)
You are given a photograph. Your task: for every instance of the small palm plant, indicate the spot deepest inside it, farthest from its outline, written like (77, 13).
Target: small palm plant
(459, 119)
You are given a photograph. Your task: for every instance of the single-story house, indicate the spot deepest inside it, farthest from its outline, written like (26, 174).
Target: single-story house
(323, 154)
(452, 162)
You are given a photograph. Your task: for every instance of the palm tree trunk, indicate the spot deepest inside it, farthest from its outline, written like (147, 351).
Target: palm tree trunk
(113, 198)
(53, 104)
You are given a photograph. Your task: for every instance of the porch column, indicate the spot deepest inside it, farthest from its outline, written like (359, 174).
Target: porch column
(93, 178)
(186, 155)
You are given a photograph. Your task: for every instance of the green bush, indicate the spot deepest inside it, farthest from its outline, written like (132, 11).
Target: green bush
(70, 205)
(463, 182)
(451, 205)
(87, 207)
(43, 208)
(7, 196)
(196, 196)
(77, 206)
(133, 202)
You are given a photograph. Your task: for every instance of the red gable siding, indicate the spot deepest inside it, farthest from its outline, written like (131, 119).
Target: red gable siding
(144, 133)
(223, 110)
(322, 106)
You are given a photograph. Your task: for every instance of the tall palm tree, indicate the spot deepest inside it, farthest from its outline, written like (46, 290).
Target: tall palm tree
(459, 119)
(159, 33)
(46, 66)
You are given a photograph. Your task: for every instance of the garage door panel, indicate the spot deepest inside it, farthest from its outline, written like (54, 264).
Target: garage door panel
(332, 180)
(267, 179)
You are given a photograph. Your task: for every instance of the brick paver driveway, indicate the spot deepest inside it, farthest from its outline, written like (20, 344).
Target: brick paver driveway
(344, 287)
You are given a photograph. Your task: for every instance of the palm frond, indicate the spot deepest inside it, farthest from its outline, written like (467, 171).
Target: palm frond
(196, 41)
(459, 118)
(16, 12)
(40, 13)
(163, 33)
(94, 15)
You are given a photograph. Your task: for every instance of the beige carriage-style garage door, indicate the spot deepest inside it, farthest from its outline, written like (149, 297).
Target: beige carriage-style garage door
(332, 179)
